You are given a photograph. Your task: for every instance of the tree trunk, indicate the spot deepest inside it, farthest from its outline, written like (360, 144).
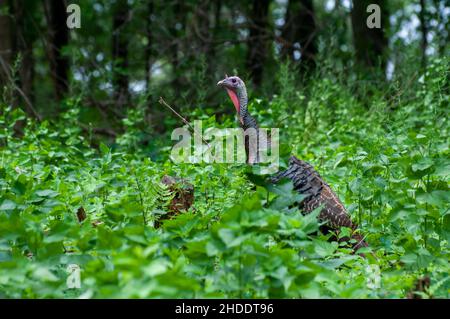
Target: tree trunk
(299, 32)
(206, 27)
(148, 48)
(370, 44)
(202, 27)
(24, 41)
(177, 29)
(424, 30)
(258, 40)
(337, 4)
(120, 54)
(6, 46)
(204, 33)
(16, 40)
(59, 38)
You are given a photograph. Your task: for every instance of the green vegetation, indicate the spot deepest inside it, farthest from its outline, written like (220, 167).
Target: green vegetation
(386, 156)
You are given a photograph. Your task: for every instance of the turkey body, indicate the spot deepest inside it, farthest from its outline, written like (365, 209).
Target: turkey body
(308, 182)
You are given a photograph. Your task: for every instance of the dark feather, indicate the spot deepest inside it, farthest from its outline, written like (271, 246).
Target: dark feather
(307, 181)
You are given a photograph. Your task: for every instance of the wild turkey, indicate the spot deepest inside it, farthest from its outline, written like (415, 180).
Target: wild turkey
(305, 179)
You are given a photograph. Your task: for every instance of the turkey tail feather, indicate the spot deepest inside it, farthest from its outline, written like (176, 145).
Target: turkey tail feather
(307, 181)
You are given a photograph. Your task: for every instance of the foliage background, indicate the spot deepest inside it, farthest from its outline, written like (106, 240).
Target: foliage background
(377, 133)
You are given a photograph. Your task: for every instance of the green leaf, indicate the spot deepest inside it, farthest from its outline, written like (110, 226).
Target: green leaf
(436, 197)
(45, 274)
(8, 205)
(422, 165)
(323, 248)
(104, 149)
(47, 193)
(409, 259)
(229, 238)
(442, 168)
(156, 267)
(355, 186)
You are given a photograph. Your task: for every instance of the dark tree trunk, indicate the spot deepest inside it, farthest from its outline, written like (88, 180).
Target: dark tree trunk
(6, 46)
(370, 44)
(177, 28)
(258, 39)
(148, 48)
(206, 29)
(203, 33)
(216, 30)
(424, 30)
(16, 40)
(59, 38)
(299, 32)
(337, 4)
(201, 27)
(217, 14)
(120, 53)
(24, 44)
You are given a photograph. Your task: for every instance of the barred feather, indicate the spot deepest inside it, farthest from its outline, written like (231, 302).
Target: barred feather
(308, 182)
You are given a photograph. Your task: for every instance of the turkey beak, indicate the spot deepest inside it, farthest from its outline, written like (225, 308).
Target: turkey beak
(221, 83)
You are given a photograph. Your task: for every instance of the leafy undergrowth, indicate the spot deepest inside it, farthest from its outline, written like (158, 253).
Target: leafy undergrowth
(390, 166)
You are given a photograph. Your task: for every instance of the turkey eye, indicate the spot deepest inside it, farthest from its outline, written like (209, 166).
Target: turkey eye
(233, 80)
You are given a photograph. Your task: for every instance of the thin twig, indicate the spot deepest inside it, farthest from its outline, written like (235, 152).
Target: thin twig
(162, 102)
(24, 96)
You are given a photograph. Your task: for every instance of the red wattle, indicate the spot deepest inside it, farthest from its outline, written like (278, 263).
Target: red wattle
(234, 98)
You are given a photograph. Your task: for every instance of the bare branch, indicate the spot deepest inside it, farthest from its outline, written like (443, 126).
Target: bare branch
(162, 102)
(18, 89)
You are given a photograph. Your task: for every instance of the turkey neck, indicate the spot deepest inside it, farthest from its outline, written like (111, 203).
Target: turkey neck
(247, 121)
